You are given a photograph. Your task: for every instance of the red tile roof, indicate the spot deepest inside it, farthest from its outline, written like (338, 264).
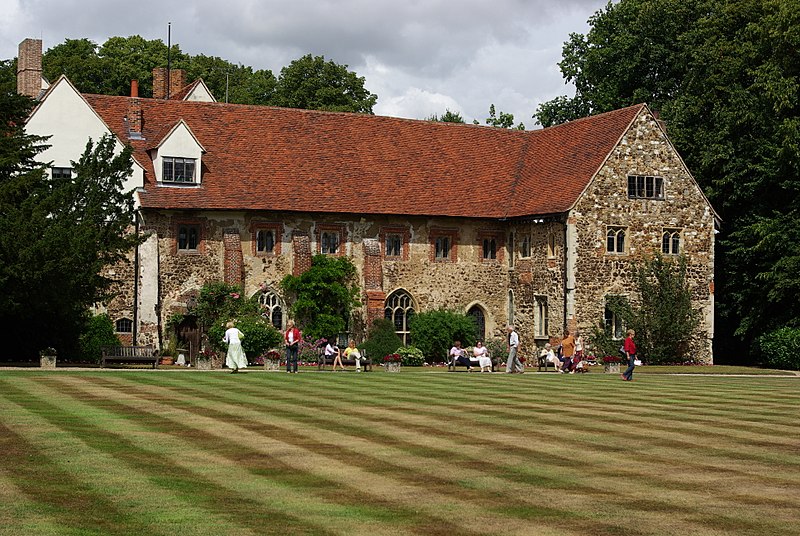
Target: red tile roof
(266, 158)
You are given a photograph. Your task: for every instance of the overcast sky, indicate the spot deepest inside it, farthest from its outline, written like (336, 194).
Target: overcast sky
(419, 56)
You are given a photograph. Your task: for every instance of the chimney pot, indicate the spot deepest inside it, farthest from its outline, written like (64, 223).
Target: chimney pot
(134, 88)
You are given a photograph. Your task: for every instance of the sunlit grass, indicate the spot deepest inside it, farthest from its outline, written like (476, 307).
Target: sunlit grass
(143, 452)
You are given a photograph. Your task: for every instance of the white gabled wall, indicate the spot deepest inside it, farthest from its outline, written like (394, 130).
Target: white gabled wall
(179, 143)
(69, 121)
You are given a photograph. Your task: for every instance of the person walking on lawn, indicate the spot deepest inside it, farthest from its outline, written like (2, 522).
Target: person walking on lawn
(292, 338)
(513, 364)
(630, 352)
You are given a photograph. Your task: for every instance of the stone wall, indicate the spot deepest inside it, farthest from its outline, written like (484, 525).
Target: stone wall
(643, 150)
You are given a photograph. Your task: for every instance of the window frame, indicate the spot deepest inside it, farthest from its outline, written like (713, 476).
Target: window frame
(618, 231)
(124, 322)
(541, 317)
(400, 232)
(327, 229)
(400, 301)
(170, 162)
(199, 226)
(673, 246)
(60, 172)
(275, 228)
(525, 246)
(270, 308)
(438, 239)
(646, 187)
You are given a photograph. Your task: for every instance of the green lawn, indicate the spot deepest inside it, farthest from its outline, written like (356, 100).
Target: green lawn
(140, 452)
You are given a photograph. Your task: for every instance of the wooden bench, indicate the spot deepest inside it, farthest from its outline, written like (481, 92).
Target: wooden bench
(323, 361)
(129, 354)
(452, 363)
(543, 363)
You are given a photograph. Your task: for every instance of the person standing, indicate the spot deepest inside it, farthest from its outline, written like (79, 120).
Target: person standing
(513, 364)
(235, 358)
(292, 339)
(568, 350)
(630, 352)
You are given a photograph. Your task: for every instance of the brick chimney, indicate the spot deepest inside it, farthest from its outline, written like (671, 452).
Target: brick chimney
(177, 81)
(134, 117)
(29, 68)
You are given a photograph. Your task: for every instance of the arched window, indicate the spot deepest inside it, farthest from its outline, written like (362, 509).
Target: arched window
(124, 325)
(272, 308)
(479, 317)
(400, 310)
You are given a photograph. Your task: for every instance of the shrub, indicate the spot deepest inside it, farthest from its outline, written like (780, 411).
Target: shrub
(259, 335)
(322, 298)
(381, 339)
(434, 332)
(411, 356)
(98, 332)
(780, 349)
(498, 348)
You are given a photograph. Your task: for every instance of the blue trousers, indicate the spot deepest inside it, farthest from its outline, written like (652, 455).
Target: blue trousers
(291, 358)
(628, 374)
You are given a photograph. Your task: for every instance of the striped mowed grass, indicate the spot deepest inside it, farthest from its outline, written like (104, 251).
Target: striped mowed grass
(166, 453)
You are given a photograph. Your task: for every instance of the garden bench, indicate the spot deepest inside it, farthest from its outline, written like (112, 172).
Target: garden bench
(129, 354)
(323, 360)
(543, 363)
(452, 363)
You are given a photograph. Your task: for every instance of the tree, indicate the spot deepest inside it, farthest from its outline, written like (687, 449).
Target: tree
(56, 235)
(447, 117)
(315, 84)
(434, 332)
(503, 120)
(724, 75)
(240, 84)
(322, 298)
(381, 339)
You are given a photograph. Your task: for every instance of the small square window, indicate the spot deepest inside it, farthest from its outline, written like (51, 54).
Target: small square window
(329, 242)
(188, 237)
(443, 244)
(489, 248)
(394, 245)
(177, 169)
(61, 172)
(124, 325)
(265, 241)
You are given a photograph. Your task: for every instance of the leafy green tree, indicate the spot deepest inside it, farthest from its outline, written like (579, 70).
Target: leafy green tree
(134, 58)
(502, 120)
(434, 332)
(780, 349)
(724, 75)
(381, 339)
(447, 117)
(322, 298)
(8, 76)
(98, 332)
(240, 84)
(315, 84)
(56, 235)
(79, 61)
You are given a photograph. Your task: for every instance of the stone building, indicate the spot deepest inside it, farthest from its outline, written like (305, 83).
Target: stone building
(533, 228)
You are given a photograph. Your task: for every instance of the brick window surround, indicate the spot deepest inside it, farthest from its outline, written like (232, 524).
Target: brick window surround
(445, 243)
(338, 229)
(277, 234)
(484, 240)
(187, 226)
(391, 234)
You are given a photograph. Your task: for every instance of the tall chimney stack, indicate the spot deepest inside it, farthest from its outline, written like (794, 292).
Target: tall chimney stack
(29, 68)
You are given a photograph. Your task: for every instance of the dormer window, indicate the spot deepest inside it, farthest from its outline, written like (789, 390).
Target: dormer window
(178, 169)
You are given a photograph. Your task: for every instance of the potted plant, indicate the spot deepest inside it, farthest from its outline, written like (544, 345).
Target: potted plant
(47, 358)
(611, 363)
(168, 353)
(272, 360)
(205, 358)
(392, 362)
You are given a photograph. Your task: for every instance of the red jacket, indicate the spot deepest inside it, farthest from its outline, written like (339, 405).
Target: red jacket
(629, 346)
(295, 335)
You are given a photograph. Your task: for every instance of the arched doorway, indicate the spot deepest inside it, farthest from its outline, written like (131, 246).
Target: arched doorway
(478, 315)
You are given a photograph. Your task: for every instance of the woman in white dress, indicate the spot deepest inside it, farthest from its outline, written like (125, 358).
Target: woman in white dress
(235, 358)
(484, 359)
